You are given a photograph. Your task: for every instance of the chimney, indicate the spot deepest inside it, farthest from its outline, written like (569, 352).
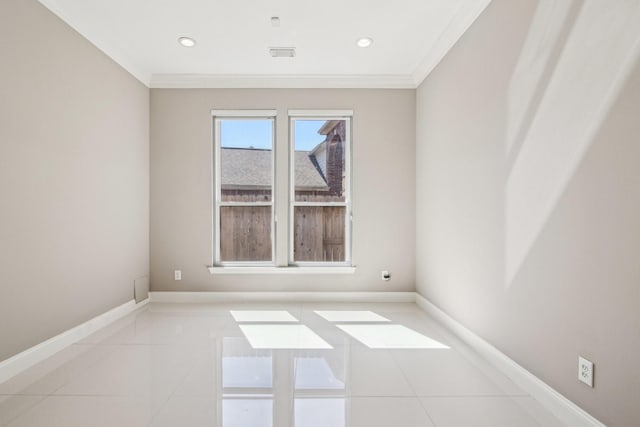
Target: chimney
(335, 159)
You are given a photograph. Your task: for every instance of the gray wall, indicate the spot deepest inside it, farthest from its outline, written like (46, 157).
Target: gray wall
(528, 193)
(383, 187)
(74, 168)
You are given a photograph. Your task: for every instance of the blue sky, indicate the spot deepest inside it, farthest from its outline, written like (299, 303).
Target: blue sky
(257, 133)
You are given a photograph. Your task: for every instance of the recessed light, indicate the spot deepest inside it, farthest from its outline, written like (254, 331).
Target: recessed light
(364, 42)
(187, 41)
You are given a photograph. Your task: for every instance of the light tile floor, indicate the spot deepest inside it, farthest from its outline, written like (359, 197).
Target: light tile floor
(191, 365)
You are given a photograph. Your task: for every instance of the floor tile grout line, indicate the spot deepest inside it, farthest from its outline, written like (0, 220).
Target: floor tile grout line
(411, 387)
(24, 411)
(67, 377)
(404, 375)
(467, 396)
(23, 394)
(395, 357)
(473, 358)
(347, 395)
(479, 397)
(424, 408)
(124, 395)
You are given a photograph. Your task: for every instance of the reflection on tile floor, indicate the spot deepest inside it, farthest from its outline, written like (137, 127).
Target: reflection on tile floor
(271, 365)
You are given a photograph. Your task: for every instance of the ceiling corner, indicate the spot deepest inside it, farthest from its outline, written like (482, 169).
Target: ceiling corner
(460, 23)
(112, 52)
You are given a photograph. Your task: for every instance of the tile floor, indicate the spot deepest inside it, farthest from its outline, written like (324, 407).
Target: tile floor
(263, 365)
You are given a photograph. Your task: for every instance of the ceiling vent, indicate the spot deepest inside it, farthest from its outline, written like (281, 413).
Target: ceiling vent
(282, 52)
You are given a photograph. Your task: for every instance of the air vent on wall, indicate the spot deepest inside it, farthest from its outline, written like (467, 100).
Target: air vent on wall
(282, 52)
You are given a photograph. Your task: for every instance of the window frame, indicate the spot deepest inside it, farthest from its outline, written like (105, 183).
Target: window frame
(217, 117)
(342, 115)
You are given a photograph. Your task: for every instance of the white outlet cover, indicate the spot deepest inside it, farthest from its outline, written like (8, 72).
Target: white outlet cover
(177, 274)
(585, 371)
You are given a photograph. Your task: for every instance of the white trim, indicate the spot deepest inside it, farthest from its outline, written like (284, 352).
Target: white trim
(242, 204)
(339, 115)
(213, 297)
(39, 352)
(339, 204)
(223, 114)
(217, 188)
(325, 269)
(564, 409)
(221, 81)
(324, 114)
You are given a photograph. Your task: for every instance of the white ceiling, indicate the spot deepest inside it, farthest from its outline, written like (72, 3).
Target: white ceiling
(233, 37)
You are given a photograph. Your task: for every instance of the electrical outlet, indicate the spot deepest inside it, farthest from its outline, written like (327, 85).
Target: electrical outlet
(585, 371)
(385, 275)
(177, 274)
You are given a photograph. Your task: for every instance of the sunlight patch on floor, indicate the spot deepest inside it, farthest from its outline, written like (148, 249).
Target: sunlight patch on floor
(283, 337)
(390, 336)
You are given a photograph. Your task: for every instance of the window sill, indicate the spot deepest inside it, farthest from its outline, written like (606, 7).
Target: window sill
(282, 270)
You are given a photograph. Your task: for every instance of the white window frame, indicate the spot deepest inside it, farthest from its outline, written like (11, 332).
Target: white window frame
(347, 116)
(218, 116)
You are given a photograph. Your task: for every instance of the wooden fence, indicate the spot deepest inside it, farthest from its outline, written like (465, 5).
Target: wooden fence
(245, 233)
(318, 233)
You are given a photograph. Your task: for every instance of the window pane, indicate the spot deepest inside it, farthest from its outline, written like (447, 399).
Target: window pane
(252, 372)
(319, 412)
(317, 372)
(319, 233)
(245, 233)
(246, 161)
(247, 412)
(319, 160)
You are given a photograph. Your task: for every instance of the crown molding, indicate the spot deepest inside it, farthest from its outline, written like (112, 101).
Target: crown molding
(465, 16)
(462, 20)
(282, 81)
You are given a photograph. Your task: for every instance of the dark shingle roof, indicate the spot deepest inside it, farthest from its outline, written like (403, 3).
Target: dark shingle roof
(307, 174)
(243, 168)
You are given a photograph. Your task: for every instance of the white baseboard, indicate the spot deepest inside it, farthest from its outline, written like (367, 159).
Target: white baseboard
(564, 409)
(209, 297)
(24, 360)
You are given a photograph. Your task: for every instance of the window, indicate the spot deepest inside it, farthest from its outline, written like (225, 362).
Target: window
(244, 217)
(319, 190)
(277, 210)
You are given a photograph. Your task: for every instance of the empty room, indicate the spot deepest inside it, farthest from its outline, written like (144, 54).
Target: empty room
(422, 213)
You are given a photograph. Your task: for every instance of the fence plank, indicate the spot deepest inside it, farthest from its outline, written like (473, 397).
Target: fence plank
(319, 233)
(245, 233)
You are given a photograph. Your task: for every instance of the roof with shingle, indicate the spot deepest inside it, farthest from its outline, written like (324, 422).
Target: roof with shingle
(242, 168)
